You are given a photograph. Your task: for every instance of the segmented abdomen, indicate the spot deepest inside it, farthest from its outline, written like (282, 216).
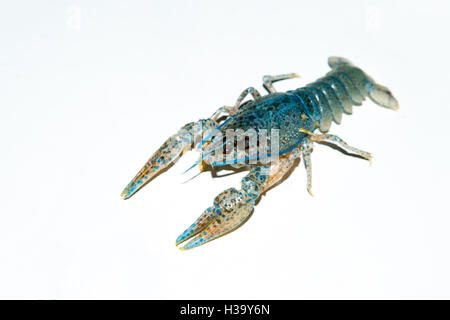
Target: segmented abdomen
(329, 97)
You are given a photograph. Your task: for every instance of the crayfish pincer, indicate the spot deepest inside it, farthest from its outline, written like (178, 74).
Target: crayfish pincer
(265, 134)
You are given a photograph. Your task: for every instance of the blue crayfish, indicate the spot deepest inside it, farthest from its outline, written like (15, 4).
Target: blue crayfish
(291, 117)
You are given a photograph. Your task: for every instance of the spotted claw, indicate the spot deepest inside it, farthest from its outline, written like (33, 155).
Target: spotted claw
(231, 209)
(165, 156)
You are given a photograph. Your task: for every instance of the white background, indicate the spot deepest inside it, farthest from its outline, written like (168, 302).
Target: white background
(90, 89)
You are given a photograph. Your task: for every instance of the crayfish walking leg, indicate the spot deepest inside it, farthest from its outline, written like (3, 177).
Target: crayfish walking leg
(307, 149)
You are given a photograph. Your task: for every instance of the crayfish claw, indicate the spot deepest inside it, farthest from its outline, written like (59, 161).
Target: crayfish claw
(231, 209)
(162, 159)
(198, 226)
